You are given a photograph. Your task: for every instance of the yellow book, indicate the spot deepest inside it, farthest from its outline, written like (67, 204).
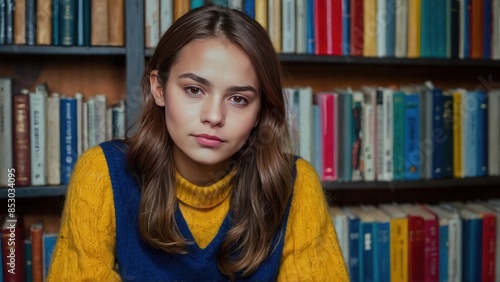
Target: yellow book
(399, 238)
(261, 12)
(414, 29)
(181, 7)
(274, 24)
(457, 134)
(370, 28)
(20, 22)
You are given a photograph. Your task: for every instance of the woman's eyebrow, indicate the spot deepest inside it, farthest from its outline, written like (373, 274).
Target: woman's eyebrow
(206, 82)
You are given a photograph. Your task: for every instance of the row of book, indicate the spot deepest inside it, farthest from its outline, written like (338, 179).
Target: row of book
(397, 133)
(62, 22)
(32, 251)
(450, 241)
(42, 134)
(375, 28)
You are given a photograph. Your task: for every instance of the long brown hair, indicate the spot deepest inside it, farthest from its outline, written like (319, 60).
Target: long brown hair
(262, 183)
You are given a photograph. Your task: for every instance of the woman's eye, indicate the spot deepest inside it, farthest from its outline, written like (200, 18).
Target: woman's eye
(193, 91)
(238, 100)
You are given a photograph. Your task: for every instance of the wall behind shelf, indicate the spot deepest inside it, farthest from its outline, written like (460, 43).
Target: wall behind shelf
(70, 74)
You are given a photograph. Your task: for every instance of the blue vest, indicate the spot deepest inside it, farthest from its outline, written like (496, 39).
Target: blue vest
(138, 261)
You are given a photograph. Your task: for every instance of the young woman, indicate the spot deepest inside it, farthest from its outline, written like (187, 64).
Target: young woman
(207, 188)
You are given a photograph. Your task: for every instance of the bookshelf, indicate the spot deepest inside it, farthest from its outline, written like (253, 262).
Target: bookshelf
(321, 72)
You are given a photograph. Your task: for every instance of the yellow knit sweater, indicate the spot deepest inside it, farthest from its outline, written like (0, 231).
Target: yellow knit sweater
(86, 245)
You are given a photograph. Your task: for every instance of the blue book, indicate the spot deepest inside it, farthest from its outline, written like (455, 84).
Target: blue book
(197, 3)
(354, 246)
(437, 140)
(346, 23)
(443, 253)
(425, 28)
(471, 247)
(3, 22)
(68, 135)
(317, 153)
(390, 28)
(447, 146)
(28, 253)
(368, 229)
(310, 27)
(455, 28)
(412, 153)
(30, 21)
(487, 19)
(49, 243)
(482, 133)
(472, 110)
(68, 22)
(440, 27)
(249, 8)
(466, 6)
(222, 3)
(382, 254)
(55, 23)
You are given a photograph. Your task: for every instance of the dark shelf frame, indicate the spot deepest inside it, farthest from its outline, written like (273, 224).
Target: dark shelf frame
(61, 50)
(35, 191)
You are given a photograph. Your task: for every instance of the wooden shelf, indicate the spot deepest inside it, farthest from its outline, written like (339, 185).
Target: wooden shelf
(60, 50)
(35, 192)
(417, 184)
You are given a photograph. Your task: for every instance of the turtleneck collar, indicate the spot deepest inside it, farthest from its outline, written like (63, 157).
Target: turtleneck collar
(203, 197)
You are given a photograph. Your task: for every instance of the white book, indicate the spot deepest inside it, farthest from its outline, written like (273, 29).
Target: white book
(79, 116)
(38, 101)
(494, 134)
(119, 120)
(451, 219)
(100, 117)
(495, 41)
(288, 26)
(301, 27)
(152, 23)
(92, 122)
(235, 4)
(109, 124)
(369, 134)
(341, 224)
(85, 127)
(6, 146)
(305, 123)
(401, 50)
(381, 28)
(166, 15)
(53, 142)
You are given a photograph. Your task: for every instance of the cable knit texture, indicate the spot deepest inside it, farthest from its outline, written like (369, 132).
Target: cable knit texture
(86, 244)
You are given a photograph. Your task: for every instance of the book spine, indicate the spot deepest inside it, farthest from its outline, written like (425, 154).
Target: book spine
(79, 22)
(482, 134)
(301, 27)
(399, 249)
(249, 8)
(346, 26)
(471, 134)
(387, 154)
(86, 14)
(117, 23)
(369, 137)
(21, 139)
(357, 136)
(53, 145)
(43, 22)
(55, 22)
(328, 131)
(443, 253)
(3, 22)
(5, 129)
(311, 42)
(431, 239)
(49, 243)
(119, 121)
(68, 22)
(382, 260)
(488, 247)
(370, 28)
(261, 13)
(152, 32)
(416, 257)
(354, 249)
(390, 28)
(493, 135)
(13, 252)
(381, 28)
(288, 26)
(457, 135)
(180, 8)
(36, 233)
(37, 141)
(305, 123)
(318, 146)
(412, 153)
(447, 145)
(399, 137)
(274, 21)
(99, 22)
(437, 126)
(31, 22)
(347, 135)
(19, 22)
(455, 28)
(9, 22)
(166, 15)
(68, 135)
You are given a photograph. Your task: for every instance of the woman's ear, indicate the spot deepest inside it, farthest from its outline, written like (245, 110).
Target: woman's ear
(156, 89)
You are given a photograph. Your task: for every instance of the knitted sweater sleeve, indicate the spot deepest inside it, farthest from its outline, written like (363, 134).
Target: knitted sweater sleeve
(311, 251)
(85, 247)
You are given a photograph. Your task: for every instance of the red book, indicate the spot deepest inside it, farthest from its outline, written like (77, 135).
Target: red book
(431, 231)
(416, 243)
(13, 258)
(21, 138)
(328, 103)
(357, 28)
(328, 27)
(477, 31)
(36, 233)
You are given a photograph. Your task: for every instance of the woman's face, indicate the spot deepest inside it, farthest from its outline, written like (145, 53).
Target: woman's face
(212, 102)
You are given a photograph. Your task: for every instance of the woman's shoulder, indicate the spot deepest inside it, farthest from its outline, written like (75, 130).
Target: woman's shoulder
(305, 170)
